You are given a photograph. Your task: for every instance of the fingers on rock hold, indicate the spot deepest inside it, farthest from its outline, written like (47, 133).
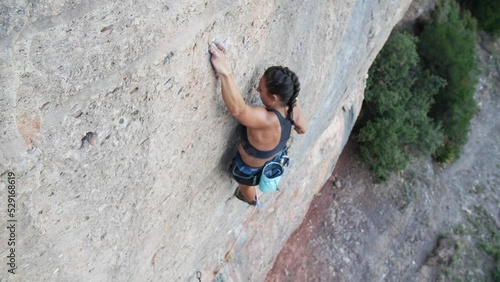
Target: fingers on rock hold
(220, 47)
(213, 52)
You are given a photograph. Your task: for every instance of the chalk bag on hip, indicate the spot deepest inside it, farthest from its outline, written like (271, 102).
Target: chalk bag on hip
(271, 176)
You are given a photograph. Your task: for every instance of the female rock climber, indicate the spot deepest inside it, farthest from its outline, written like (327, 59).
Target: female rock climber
(266, 130)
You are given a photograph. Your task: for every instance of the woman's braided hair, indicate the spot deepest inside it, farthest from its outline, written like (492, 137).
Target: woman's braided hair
(285, 83)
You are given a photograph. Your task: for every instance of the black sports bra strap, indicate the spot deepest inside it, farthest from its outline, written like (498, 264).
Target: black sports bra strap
(285, 134)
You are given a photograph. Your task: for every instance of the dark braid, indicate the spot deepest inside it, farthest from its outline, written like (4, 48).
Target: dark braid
(285, 83)
(293, 99)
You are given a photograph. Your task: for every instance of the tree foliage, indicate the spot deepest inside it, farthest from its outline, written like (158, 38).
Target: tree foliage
(487, 12)
(447, 48)
(419, 100)
(395, 126)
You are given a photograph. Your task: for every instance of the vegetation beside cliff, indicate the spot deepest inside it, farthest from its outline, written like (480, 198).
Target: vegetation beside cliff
(419, 96)
(419, 101)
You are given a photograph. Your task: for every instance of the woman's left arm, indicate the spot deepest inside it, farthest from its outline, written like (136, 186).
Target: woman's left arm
(300, 122)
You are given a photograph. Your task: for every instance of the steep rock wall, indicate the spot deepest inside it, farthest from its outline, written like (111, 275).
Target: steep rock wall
(113, 123)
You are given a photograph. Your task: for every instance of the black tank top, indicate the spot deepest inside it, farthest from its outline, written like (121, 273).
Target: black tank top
(286, 129)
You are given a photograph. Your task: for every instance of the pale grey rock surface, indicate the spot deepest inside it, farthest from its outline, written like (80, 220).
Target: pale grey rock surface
(146, 196)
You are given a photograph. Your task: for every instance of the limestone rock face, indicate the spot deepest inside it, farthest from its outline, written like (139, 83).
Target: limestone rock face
(112, 121)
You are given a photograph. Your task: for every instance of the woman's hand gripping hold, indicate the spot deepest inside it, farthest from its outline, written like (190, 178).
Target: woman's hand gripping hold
(218, 58)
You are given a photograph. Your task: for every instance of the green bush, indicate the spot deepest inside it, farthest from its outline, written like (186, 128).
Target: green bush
(395, 126)
(447, 48)
(487, 12)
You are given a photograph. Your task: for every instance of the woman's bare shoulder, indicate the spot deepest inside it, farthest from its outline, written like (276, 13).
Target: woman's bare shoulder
(256, 117)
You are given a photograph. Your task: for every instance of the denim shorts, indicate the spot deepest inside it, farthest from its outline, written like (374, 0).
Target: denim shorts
(248, 175)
